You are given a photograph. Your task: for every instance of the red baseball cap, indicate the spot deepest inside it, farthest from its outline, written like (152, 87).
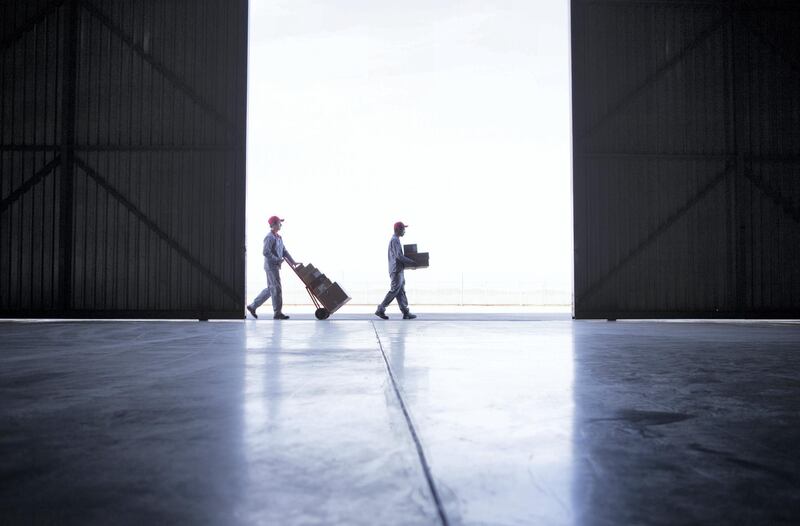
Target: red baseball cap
(275, 219)
(399, 225)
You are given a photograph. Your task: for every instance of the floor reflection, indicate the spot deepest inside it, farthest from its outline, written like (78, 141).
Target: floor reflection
(494, 414)
(551, 422)
(262, 382)
(322, 439)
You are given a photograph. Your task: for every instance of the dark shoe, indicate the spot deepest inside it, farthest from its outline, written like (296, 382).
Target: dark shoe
(381, 314)
(252, 311)
(280, 316)
(409, 316)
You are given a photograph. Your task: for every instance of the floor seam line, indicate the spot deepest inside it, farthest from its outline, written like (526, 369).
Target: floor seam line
(426, 470)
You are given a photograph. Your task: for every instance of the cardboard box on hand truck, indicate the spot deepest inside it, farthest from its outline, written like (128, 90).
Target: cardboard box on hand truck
(327, 296)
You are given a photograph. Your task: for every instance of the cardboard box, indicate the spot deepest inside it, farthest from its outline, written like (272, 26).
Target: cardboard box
(329, 294)
(333, 297)
(308, 273)
(312, 277)
(320, 280)
(321, 286)
(421, 259)
(303, 271)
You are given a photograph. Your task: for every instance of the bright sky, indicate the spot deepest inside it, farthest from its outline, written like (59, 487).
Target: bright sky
(453, 116)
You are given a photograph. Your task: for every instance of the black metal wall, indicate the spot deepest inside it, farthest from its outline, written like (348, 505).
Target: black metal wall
(686, 138)
(122, 150)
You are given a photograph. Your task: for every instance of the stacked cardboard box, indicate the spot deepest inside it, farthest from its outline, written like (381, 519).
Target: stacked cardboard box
(333, 297)
(329, 294)
(421, 259)
(307, 273)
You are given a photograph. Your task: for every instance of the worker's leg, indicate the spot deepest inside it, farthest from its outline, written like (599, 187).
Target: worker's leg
(275, 289)
(402, 300)
(262, 297)
(396, 286)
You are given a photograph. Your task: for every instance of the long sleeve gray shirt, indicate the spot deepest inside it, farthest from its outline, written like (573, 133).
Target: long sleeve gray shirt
(274, 251)
(396, 258)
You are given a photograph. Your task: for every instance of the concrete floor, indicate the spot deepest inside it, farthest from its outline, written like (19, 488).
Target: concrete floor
(362, 422)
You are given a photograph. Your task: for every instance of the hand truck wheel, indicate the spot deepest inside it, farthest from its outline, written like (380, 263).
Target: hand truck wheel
(322, 313)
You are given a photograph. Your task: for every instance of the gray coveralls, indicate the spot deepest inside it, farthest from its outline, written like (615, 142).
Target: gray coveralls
(397, 262)
(274, 252)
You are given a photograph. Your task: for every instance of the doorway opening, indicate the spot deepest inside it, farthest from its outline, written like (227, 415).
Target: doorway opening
(452, 118)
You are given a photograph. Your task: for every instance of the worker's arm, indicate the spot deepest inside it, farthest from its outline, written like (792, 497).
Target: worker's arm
(397, 251)
(270, 253)
(288, 257)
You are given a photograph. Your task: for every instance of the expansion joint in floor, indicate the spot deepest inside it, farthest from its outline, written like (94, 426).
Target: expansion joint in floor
(412, 430)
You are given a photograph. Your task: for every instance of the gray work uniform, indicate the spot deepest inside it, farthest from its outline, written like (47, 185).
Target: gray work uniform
(274, 252)
(397, 262)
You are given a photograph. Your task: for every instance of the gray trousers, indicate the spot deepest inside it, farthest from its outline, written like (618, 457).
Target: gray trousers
(398, 291)
(273, 289)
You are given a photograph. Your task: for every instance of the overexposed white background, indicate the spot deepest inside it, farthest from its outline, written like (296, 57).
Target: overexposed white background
(453, 116)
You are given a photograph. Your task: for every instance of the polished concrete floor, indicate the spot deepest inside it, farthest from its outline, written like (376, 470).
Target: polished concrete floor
(447, 420)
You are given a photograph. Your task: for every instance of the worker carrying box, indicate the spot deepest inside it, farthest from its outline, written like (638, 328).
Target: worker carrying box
(399, 260)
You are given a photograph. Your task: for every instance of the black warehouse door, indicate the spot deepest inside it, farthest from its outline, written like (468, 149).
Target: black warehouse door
(686, 172)
(122, 151)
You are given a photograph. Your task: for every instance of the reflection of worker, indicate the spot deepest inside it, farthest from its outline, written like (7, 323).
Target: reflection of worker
(397, 262)
(274, 254)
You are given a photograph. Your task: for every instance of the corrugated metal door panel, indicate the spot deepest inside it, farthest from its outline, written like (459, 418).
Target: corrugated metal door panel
(686, 152)
(123, 133)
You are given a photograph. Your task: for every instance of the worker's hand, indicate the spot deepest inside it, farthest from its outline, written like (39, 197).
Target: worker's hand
(297, 264)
